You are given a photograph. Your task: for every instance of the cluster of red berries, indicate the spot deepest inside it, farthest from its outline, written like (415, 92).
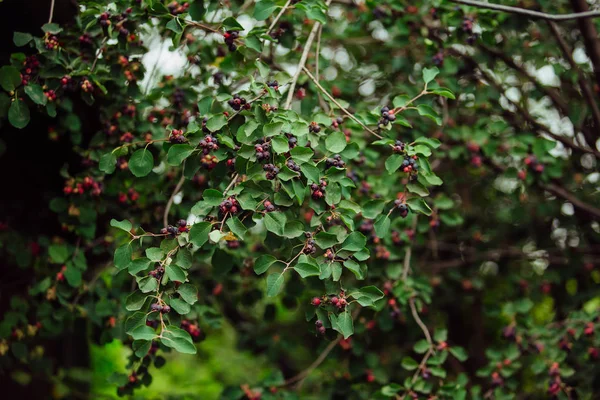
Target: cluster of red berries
(339, 302)
(175, 8)
(291, 164)
(230, 37)
(398, 146)
(60, 276)
(402, 207)
(131, 194)
(181, 227)
(86, 86)
(50, 95)
(157, 273)
(30, 68)
(387, 116)
(269, 207)
(273, 84)
(233, 244)
(193, 329)
(85, 40)
(475, 150)
(335, 161)
(532, 162)
(104, 19)
(329, 254)
(229, 206)
(467, 26)
(209, 143)
(554, 386)
(271, 171)
(87, 184)
(313, 127)
(262, 151)
(318, 191)
(381, 252)
(237, 103)
(337, 122)
(129, 110)
(320, 328)
(177, 136)
(310, 247)
(209, 161)
(51, 42)
(160, 308)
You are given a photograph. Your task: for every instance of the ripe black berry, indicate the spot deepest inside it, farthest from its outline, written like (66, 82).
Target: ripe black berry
(273, 84)
(230, 37)
(314, 127)
(269, 207)
(177, 136)
(336, 161)
(271, 170)
(291, 164)
(237, 103)
(230, 205)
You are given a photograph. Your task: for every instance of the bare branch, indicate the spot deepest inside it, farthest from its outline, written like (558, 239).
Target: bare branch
(51, 11)
(170, 202)
(529, 13)
(283, 9)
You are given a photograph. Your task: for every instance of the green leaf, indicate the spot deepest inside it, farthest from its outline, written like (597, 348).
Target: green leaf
(422, 149)
(264, 9)
(355, 268)
(429, 74)
(275, 222)
(272, 129)
(180, 306)
(262, 264)
(301, 154)
(10, 78)
(178, 339)
(183, 258)
(427, 111)
(138, 265)
(73, 276)
(440, 335)
(148, 284)
(179, 152)
(18, 114)
(58, 253)
(140, 349)
(107, 163)
(154, 253)
(175, 273)
(419, 205)
(197, 11)
(438, 371)
(421, 346)
(36, 94)
(417, 188)
(135, 301)
(137, 319)
(51, 28)
(205, 104)
(199, 233)
(367, 296)
(188, 292)
(409, 364)
(215, 123)
(141, 163)
(21, 39)
(444, 92)
(382, 225)
(143, 332)
(123, 225)
(280, 144)
(306, 269)
(458, 352)
(335, 142)
(354, 242)
(373, 208)
(237, 227)
(174, 25)
(212, 197)
(274, 284)
(311, 172)
(344, 324)
(325, 239)
(393, 162)
(431, 142)
(122, 256)
(231, 24)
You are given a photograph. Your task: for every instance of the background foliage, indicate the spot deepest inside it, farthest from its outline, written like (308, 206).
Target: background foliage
(329, 200)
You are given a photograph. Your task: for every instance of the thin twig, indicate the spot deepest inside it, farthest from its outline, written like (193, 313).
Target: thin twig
(415, 314)
(170, 202)
(529, 13)
(334, 101)
(228, 188)
(302, 62)
(283, 9)
(100, 50)
(408, 254)
(303, 374)
(154, 68)
(322, 102)
(51, 11)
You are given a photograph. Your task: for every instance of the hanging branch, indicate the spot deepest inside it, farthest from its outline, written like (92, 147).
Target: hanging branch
(529, 13)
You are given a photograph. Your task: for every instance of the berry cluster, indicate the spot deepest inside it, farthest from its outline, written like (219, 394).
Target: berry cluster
(335, 161)
(329, 254)
(131, 195)
(269, 207)
(271, 171)
(381, 252)
(337, 122)
(409, 164)
(160, 308)
(467, 26)
(291, 164)
(262, 151)
(85, 40)
(104, 19)
(532, 162)
(314, 127)
(230, 37)
(209, 161)
(337, 301)
(402, 207)
(209, 143)
(87, 86)
(178, 97)
(273, 84)
(320, 327)
(318, 191)
(30, 68)
(51, 42)
(292, 141)
(237, 103)
(50, 95)
(398, 147)
(175, 8)
(173, 231)
(475, 150)
(387, 116)
(193, 329)
(229, 206)
(158, 272)
(87, 184)
(310, 247)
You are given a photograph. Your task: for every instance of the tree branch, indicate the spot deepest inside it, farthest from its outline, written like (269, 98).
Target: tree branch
(565, 194)
(590, 37)
(529, 13)
(170, 202)
(278, 17)
(51, 11)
